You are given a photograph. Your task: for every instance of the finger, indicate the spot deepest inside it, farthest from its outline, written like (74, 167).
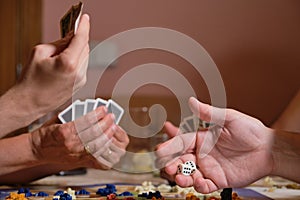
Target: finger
(90, 119)
(167, 176)
(204, 186)
(167, 161)
(60, 45)
(80, 39)
(81, 73)
(206, 112)
(172, 167)
(95, 131)
(177, 145)
(171, 130)
(120, 138)
(109, 154)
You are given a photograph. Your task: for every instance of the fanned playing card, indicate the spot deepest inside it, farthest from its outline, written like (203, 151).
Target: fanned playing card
(78, 109)
(100, 102)
(67, 114)
(89, 105)
(118, 111)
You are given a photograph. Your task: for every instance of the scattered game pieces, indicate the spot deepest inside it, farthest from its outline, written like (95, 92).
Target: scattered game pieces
(151, 195)
(25, 191)
(109, 192)
(191, 196)
(126, 193)
(15, 196)
(146, 187)
(82, 192)
(164, 188)
(65, 196)
(41, 194)
(109, 189)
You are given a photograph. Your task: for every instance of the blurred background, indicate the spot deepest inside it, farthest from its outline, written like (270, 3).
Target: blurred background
(254, 43)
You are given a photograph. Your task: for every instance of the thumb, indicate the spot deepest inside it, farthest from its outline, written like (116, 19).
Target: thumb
(207, 112)
(171, 130)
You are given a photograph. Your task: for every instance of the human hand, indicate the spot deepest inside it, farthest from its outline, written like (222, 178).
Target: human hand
(56, 71)
(91, 141)
(240, 150)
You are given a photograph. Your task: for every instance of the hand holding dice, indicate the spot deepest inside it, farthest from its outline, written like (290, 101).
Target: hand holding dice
(187, 169)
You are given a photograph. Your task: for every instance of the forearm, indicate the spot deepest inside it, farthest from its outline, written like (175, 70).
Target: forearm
(16, 154)
(289, 119)
(286, 154)
(17, 110)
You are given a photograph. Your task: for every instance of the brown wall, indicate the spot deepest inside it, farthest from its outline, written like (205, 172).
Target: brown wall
(20, 23)
(254, 43)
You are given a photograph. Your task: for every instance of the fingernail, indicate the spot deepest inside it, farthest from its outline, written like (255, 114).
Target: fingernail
(87, 17)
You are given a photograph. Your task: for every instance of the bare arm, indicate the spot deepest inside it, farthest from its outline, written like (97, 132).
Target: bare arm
(290, 118)
(53, 74)
(233, 154)
(286, 154)
(62, 147)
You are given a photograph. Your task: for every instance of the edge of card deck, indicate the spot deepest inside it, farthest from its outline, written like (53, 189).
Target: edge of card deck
(66, 115)
(78, 109)
(100, 102)
(116, 109)
(89, 105)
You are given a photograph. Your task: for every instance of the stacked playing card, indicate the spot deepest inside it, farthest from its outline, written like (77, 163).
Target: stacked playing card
(192, 124)
(69, 22)
(79, 108)
(187, 169)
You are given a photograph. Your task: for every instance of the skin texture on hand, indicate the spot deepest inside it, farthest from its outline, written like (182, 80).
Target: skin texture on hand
(240, 151)
(54, 72)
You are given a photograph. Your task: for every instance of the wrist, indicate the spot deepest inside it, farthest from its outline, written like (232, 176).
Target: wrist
(26, 104)
(17, 110)
(286, 154)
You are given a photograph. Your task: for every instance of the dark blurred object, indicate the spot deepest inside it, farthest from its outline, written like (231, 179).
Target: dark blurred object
(78, 171)
(226, 194)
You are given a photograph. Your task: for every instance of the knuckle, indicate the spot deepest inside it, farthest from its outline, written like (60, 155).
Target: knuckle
(37, 51)
(66, 64)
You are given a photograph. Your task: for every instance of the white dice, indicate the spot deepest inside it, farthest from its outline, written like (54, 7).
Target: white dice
(187, 169)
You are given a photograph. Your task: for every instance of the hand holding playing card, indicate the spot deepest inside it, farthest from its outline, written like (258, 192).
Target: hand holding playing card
(106, 148)
(53, 74)
(67, 143)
